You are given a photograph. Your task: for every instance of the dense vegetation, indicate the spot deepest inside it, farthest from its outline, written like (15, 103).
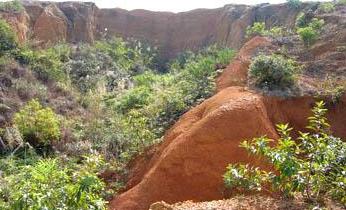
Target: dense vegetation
(312, 164)
(52, 153)
(259, 29)
(11, 6)
(7, 38)
(273, 72)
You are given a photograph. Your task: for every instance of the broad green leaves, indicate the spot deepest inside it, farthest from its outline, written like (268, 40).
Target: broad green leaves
(313, 164)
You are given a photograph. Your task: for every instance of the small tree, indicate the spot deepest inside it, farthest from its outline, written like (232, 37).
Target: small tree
(316, 24)
(308, 35)
(294, 4)
(11, 6)
(273, 72)
(326, 7)
(8, 39)
(258, 28)
(39, 126)
(314, 164)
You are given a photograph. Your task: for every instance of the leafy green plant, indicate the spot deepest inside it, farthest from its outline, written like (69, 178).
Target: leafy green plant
(109, 62)
(273, 72)
(8, 39)
(308, 35)
(259, 28)
(316, 23)
(134, 98)
(129, 55)
(38, 125)
(302, 20)
(308, 28)
(28, 90)
(326, 7)
(294, 4)
(11, 6)
(313, 164)
(333, 88)
(47, 64)
(341, 2)
(134, 119)
(54, 184)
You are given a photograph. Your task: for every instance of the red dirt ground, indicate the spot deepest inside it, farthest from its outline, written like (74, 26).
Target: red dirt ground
(189, 164)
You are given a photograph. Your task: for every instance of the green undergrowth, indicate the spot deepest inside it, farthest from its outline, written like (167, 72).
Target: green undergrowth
(78, 107)
(312, 164)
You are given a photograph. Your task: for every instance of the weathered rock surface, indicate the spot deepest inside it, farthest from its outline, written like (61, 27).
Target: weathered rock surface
(19, 22)
(172, 33)
(51, 25)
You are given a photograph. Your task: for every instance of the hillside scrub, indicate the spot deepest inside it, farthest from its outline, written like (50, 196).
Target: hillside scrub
(51, 183)
(155, 102)
(8, 40)
(294, 4)
(326, 7)
(38, 125)
(341, 2)
(308, 35)
(273, 72)
(259, 28)
(11, 6)
(308, 28)
(313, 164)
(124, 106)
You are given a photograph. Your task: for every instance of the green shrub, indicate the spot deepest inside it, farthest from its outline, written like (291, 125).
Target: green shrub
(294, 4)
(326, 7)
(314, 164)
(273, 72)
(11, 6)
(8, 39)
(129, 55)
(308, 28)
(142, 114)
(38, 125)
(28, 90)
(316, 24)
(332, 87)
(341, 2)
(308, 35)
(47, 65)
(166, 109)
(275, 32)
(134, 99)
(302, 20)
(259, 29)
(53, 184)
(111, 62)
(85, 68)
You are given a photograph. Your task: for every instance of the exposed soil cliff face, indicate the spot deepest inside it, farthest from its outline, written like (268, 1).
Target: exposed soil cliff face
(172, 33)
(195, 152)
(51, 25)
(19, 22)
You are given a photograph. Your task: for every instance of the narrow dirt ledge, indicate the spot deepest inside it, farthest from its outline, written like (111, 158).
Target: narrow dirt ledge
(241, 202)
